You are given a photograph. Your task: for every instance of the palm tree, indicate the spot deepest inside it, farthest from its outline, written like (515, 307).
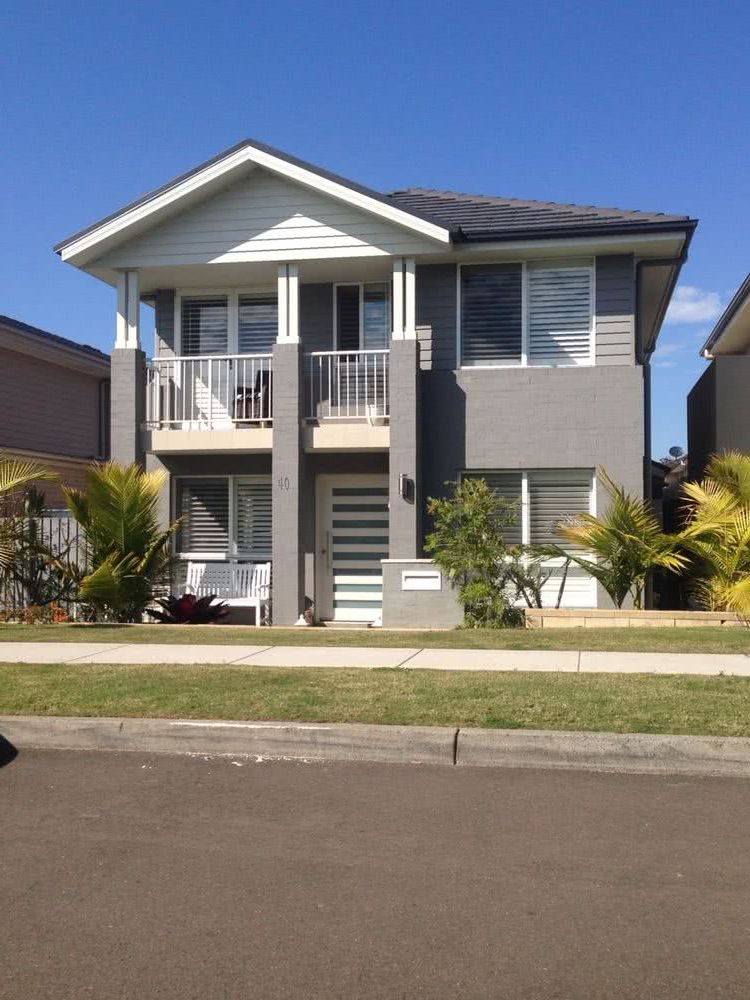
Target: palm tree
(626, 541)
(128, 548)
(15, 475)
(718, 533)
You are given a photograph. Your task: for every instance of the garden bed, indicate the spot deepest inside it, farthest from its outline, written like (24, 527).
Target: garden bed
(616, 618)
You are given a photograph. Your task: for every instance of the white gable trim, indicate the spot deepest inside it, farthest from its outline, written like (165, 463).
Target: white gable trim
(249, 154)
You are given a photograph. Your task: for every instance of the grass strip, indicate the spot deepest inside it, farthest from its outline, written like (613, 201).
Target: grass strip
(647, 640)
(632, 703)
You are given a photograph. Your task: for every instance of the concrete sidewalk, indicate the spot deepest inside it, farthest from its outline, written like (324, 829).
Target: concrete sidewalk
(569, 661)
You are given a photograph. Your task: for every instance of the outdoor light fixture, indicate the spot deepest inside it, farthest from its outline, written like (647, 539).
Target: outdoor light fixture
(406, 488)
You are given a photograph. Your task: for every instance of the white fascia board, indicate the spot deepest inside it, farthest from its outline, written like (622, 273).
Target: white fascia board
(249, 154)
(642, 244)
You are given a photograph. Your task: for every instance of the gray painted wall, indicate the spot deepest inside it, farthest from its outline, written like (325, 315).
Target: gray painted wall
(405, 522)
(128, 402)
(417, 608)
(719, 411)
(164, 323)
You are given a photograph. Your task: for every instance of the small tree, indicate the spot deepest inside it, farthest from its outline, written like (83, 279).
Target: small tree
(627, 542)
(37, 570)
(718, 534)
(129, 550)
(15, 476)
(467, 543)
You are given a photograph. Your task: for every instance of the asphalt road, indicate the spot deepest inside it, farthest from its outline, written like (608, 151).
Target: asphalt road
(125, 876)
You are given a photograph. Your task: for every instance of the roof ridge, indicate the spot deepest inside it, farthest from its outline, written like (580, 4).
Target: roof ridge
(533, 202)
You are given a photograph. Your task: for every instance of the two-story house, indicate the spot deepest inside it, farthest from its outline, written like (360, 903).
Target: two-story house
(719, 402)
(327, 357)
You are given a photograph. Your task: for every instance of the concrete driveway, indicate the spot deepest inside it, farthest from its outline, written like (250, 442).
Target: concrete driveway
(127, 876)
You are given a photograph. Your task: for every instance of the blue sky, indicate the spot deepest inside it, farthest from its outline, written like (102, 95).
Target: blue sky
(637, 105)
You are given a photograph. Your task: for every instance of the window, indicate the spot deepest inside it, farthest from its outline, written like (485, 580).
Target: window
(539, 313)
(203, 504)
(257, 324)
(225, 517)
(205, 326)
(229, 323)
(545, 497)
(363, 317)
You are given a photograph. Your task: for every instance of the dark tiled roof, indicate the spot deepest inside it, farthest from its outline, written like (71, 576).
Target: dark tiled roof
(16, 324)
(489, 217)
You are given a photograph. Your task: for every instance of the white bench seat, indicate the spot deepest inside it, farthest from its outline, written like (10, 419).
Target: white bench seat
(240, 585)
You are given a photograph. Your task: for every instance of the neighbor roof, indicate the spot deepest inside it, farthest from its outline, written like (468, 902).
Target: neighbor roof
(734, 319)
(488, 217)
(51, 338)
(455, 217)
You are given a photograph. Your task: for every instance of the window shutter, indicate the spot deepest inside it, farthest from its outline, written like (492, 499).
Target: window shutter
(204, 505)
(491, 314)
(560, 314)
(204, 325)
(554, 495)
(258, 323)
(347, 317)
(508, 486)
(254, 539)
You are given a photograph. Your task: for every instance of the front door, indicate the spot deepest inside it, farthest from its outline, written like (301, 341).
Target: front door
(352, 532)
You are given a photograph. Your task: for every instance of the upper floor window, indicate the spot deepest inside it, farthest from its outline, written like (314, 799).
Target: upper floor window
(539, 313)
(362, 317)
(232, 323)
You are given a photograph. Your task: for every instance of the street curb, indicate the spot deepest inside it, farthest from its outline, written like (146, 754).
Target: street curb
(305, 741)
(634, 753)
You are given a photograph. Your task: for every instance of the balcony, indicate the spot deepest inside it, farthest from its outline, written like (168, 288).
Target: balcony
(348, 385)
(209, 403)
(225, 402)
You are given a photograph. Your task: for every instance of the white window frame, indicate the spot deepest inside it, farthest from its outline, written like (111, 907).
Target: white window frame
(232, 554)
(525, 507)
(361, 286)
(589, 262)
(232, 296)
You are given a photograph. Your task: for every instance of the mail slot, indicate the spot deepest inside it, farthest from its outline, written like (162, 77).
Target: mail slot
(421, 579)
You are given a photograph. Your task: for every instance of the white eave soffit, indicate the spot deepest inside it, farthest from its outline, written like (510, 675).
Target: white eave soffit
(78, 250)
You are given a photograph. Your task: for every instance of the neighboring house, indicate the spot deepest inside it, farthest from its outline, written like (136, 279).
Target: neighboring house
(719, 402)
(327, 357)
(54, 403)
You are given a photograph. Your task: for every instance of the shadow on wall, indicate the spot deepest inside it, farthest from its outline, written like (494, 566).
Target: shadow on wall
(443, 434)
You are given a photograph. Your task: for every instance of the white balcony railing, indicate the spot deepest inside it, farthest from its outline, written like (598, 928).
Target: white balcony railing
(346, 385)
(209, 392)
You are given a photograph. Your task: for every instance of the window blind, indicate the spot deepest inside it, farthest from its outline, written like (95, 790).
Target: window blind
(554, 495)
(507, 485)
(258, 321)
(204, 506)
(559, 314)
(347, 317)
(204, 325)
(254, 535)
(491, 314)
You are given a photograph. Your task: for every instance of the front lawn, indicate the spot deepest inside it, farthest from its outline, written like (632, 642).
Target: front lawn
(625, 703)
(647, 640)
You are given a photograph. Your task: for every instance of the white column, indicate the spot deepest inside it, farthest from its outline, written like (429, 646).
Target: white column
(398, 298)
(410, 299)
(127, 330)
(288, 298)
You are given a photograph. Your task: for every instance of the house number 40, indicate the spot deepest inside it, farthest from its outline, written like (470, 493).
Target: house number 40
(283, 483)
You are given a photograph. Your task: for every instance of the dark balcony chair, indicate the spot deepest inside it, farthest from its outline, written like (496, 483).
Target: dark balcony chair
(254, 404)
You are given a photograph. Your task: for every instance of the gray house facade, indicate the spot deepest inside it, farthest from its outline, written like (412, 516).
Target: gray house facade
(327, 357)
(719, 402)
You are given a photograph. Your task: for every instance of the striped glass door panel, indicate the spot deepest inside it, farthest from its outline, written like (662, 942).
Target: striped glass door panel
(357, 541)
